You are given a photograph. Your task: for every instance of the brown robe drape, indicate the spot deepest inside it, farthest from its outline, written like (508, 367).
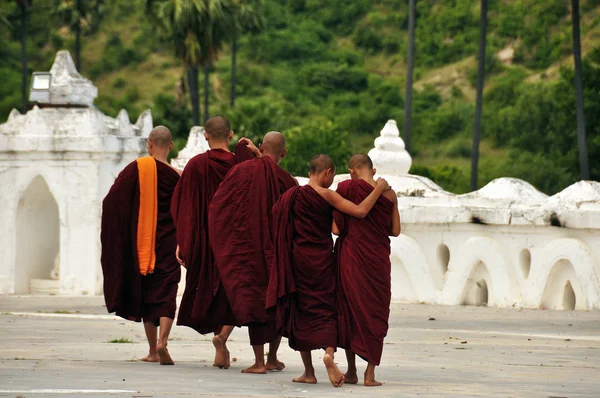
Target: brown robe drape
(241, 239)
(364, 287)
(126, 292)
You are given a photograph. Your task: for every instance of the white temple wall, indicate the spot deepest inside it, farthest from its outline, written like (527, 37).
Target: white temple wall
(529, 267)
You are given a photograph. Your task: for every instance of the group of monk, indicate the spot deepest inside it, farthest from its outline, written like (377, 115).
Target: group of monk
(258, 252)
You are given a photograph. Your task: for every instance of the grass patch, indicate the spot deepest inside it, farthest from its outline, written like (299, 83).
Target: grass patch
(122, 340)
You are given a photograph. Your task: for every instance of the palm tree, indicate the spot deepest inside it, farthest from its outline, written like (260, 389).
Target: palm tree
(409, 74)
(479, 100)
(247, 18)
(583, 157)
(80, 16)
(197, 30)
(23, 6)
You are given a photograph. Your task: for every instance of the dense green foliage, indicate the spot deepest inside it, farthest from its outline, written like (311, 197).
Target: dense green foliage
(330, 74)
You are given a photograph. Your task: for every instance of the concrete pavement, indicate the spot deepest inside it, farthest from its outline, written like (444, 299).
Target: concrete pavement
(54, 346)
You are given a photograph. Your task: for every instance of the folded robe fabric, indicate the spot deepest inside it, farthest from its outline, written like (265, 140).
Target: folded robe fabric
(204, 306)
(147, 214)
(364, 277)
(302, 286)
(127, 292)
(241, 236)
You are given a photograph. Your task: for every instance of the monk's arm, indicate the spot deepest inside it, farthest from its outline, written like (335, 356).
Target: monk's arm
(395, 219)
(251, 147)
(334, 229)
(347, 207)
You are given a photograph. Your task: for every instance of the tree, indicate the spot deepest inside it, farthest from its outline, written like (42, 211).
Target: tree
(81, 16)
(583, 157)
(197, 30)
(246, 18)
(409, 73)
(479, 99)
(23, 6)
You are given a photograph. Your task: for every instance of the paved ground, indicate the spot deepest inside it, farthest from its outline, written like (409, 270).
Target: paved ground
(54, 346)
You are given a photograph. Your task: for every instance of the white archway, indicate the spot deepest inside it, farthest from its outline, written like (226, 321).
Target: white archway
(567, 270)
(482, 258)
(408, 261)
(38, 235)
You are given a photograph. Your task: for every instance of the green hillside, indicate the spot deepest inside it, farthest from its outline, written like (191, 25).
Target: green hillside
(330, 74)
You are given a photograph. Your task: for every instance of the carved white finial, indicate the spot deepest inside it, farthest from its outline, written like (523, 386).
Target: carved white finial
(144, 123)
(67, 86)
(389, 155)
(196, 144)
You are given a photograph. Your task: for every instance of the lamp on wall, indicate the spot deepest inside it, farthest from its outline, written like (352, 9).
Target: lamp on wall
(40, 87)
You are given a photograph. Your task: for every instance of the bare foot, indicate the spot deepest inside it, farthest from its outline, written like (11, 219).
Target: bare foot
(256, 369)
(305, 379)
(336, 377)
(350, 378)
(163, 355)
(150, 358)
(220, 355)
(275, 367)
(372, 383)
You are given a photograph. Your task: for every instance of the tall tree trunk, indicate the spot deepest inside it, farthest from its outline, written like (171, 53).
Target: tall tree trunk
(479, 100)
(78, 37)
(206, 90)
(25, 73)
(409, 74)
(233, 71)
(192, 77)
(583, 156)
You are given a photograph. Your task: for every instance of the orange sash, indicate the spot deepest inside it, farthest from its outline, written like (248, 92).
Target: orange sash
(148, 214)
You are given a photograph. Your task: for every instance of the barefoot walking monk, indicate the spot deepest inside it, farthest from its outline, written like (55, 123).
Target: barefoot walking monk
(303, 284)
(204, 305)
(240, 235)
(363, 253)
(140, 270)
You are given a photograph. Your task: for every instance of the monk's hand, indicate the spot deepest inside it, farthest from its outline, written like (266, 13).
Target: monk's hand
(177, 255)
(382, 184)
(250, 145)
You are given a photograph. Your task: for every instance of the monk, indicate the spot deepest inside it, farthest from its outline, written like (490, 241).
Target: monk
(138, 241)
(303, 284)
(363, 254)
(204, 305)
(240, 235)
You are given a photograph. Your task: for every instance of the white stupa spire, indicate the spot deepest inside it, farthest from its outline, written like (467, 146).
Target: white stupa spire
(389, 155)
(196, 144)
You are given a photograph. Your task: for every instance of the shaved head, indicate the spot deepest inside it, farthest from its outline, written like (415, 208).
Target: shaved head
(160, 136)
(218, 128)
(321, 163)
(360, 161)
(274, 143)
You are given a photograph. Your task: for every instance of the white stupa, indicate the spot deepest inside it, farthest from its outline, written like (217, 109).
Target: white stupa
(57, 163)
(195, 145)
(389, 155)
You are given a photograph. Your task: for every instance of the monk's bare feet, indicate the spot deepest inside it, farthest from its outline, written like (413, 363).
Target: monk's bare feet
(220, 354)
(336, 377)
(350, 378)
(150, 358)
(163, 355)
(256, 369)
(372, 383)
(305, 379)
(275, 366)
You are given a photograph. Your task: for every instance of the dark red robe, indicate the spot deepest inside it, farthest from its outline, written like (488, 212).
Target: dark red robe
(364, 284)
(241, 239)
(126, 292)
(204, 306)
(303, 285)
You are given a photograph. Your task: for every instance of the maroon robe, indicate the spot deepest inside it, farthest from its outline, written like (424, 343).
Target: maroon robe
(303, 285)
(364, 284)
(126, 292)
(204, 306)
(241, 239)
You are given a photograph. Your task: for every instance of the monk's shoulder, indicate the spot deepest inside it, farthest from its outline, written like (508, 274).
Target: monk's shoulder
(391, 195)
